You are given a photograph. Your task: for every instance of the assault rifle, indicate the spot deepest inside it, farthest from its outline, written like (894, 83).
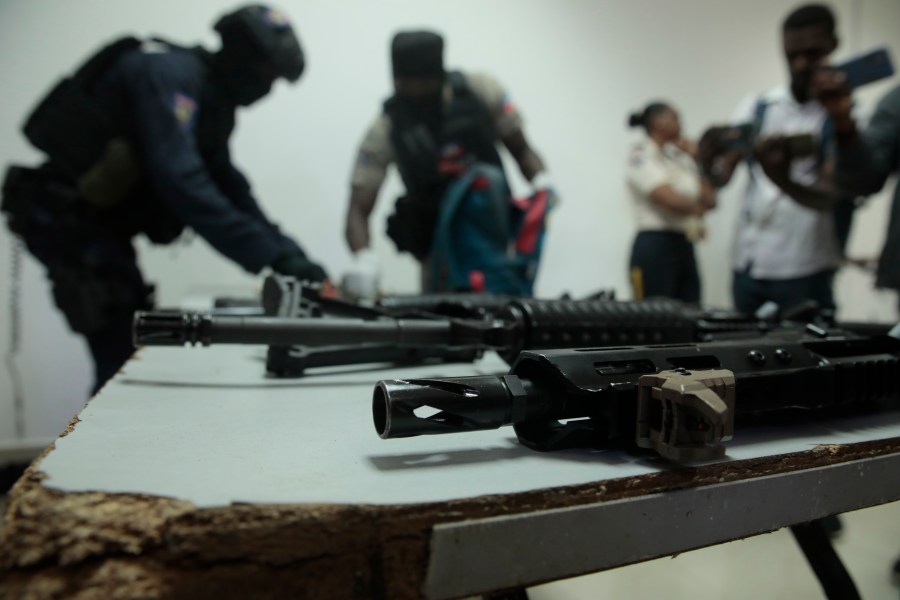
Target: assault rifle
(682, 401)
(378, 337)
(306, 330)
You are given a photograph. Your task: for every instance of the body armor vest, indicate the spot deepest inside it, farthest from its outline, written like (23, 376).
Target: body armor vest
(465, 124)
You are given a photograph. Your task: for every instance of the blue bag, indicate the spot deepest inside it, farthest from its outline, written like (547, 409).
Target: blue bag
(484, 240)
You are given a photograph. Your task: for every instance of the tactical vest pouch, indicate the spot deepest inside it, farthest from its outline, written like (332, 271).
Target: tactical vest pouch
(422, 138)
(15, 199)
(34, 198)
(66, 125)
(112, 176)
(411, 226)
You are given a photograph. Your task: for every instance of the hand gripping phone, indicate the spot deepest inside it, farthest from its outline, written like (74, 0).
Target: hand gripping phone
(867, 68)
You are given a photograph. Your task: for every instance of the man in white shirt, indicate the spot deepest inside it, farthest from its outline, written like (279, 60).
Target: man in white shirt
(785, 251)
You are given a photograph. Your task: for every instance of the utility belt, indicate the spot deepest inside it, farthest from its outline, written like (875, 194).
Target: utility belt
(44, 200)
(91, 266)
(37, 200)
(411, 226)
(106, 184)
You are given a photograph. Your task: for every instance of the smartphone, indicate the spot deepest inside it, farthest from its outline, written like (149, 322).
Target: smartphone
(802, 144)
(739, 137)
(872, 66)
(743, 138)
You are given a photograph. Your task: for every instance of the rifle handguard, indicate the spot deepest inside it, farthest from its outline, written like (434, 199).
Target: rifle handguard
(685, 415)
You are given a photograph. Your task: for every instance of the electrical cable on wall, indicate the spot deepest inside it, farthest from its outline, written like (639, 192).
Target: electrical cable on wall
(15, 313)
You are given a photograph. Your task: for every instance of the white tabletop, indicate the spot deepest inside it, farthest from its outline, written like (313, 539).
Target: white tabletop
(208, 426)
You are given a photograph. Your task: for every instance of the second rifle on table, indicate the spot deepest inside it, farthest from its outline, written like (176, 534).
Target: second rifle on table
(304, 330)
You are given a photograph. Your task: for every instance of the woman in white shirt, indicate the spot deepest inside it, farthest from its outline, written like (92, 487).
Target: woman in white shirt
(669, 197)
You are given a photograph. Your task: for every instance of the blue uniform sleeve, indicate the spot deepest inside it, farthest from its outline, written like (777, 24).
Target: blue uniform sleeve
(165, 100)
(235, 186)
(864, 167)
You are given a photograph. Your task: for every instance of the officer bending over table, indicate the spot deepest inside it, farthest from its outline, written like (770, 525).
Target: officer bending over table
(137, 143)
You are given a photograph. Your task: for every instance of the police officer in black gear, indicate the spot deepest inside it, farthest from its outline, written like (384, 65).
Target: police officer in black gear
(137, 143)
(421, 128)
(434, 117)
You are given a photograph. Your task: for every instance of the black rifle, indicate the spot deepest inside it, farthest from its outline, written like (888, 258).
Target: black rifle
(289, 298)
(314, 331)
(520, 324)
(681, 400)
(284, 296)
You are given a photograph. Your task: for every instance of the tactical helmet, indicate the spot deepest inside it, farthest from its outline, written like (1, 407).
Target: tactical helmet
(417, 54)
(265, 30)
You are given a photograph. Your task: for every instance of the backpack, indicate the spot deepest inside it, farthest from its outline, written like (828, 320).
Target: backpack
(66, 124)
(484, 240)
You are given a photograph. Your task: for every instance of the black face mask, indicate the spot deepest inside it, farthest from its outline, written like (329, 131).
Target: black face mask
(248, 86)
(245, 83)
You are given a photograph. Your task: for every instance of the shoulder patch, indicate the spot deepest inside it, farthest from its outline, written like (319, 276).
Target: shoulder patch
(154, 47)
(184, 108)
(508, 106)
(636, 158)
(364, 158)
(276, 19)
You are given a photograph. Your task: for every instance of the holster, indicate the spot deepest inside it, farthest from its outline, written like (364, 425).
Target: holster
(34, 198)
(41, 199)
(411, 226)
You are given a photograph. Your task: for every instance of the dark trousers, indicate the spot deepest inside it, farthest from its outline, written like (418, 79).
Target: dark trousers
(750, 293)
(663, 264)
(90, 260)
(98, 286)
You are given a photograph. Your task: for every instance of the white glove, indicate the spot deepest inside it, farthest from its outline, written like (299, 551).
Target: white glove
(767, 312)
(360, 282)
(541, 181)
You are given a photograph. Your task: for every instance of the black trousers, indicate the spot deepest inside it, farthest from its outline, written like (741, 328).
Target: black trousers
(663, 264)
(90, 261)
(750, 293)
(98, 286)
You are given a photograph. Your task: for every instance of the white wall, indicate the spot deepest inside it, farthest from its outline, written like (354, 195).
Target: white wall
(575, 67)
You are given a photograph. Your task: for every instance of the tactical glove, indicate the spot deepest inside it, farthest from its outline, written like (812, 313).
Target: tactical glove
(297, 265)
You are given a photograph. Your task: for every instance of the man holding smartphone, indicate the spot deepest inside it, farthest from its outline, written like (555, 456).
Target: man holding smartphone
(786, 247)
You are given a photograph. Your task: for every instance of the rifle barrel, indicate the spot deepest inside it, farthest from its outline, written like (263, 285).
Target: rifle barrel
(178, 329)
